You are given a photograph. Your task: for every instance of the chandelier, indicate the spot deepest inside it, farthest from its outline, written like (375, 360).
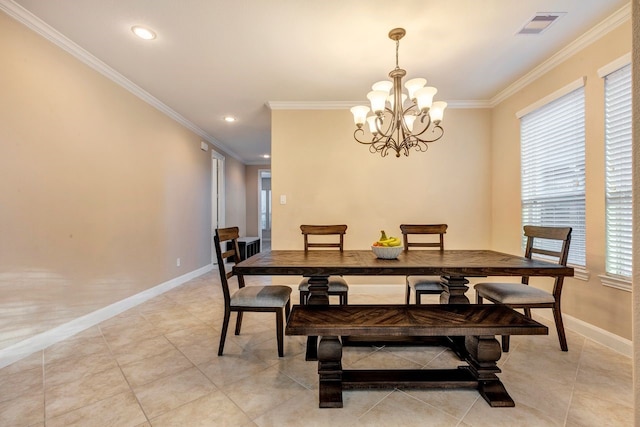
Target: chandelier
(392, 126)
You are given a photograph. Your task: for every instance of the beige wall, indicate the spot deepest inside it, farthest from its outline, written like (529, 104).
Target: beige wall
(100, 192)
(589, 301)
(328, 178)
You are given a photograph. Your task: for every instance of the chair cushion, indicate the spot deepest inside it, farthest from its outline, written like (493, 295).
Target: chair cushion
(425, 283)
(261, 296)
(336, 284)
(513, 293)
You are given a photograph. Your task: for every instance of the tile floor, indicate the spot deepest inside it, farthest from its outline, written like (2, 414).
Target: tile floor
(156, 365)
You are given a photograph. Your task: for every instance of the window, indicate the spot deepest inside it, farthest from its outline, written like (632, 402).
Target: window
(553, 167)
(618, 179)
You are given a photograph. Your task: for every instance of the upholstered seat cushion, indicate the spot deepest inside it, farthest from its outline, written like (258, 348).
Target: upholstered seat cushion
(425, 283)
(336, 284)
(513, 293)
(261, 296)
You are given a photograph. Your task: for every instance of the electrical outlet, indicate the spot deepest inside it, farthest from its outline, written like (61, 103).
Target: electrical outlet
(177, 262)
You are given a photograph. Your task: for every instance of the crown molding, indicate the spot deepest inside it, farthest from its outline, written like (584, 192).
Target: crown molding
(343, 105)
(37, 25)
(312, 105)
(612, 22)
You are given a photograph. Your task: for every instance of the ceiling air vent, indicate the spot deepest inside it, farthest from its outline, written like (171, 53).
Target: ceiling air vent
(540, 22)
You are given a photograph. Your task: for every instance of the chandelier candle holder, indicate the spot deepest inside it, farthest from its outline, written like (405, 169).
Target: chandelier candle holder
(392, 126)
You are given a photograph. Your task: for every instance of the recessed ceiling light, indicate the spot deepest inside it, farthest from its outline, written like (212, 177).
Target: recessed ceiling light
(266, 156)
(143, 33)
(229, 119)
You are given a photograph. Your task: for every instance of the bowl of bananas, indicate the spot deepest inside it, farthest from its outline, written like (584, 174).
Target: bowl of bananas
(387, 247)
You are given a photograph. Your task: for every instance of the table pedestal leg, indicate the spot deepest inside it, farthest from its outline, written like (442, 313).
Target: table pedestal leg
(330, 372)
(483, 353)
(318, 290)
(454, 293)
(318, 295)
(454, 290)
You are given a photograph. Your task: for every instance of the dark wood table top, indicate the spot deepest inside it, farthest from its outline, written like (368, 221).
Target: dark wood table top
(465, 263)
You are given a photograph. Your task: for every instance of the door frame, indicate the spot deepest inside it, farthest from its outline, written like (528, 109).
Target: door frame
(217, 197)
(260, 171)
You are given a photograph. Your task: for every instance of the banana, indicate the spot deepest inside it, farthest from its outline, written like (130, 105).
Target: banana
(394, 241)
(387, 241)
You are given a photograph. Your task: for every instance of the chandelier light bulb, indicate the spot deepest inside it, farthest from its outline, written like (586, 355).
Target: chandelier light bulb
(372, 124)
(391, 99)
(409, 119)
(360, 114)
(437, 111)
(384, 85)
(378, 98)
(424, 98)
(414, 85)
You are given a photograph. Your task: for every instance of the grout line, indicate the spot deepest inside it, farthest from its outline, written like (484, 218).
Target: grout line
(573, 387)
(376, 404)
(469, 409)
(123, 375)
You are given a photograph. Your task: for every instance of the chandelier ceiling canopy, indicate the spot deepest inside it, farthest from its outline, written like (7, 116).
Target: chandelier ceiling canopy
(399, 121)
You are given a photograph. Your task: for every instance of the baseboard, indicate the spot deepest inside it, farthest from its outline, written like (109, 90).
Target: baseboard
(594, 333)
(43, 340)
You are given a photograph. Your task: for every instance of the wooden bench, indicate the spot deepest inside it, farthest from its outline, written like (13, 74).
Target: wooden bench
(478, 324)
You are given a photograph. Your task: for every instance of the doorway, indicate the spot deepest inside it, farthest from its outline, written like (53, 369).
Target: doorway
(217, 197)
(264, 208)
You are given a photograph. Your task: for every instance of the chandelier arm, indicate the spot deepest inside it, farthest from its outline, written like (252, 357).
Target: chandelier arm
(374, 140)
(437, 129)
(379, 144)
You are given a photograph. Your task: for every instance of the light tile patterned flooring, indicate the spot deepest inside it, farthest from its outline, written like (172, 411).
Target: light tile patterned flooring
(157, 365)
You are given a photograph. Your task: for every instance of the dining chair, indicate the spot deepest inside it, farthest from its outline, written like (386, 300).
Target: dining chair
(274, 298)
(422, 285)
(337, 285)
(521, 295)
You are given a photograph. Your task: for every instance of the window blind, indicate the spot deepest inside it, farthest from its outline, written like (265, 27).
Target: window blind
(618, 176)
(553, 169)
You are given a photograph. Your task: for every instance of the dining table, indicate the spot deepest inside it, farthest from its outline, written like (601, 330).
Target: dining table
(454, 267)
(469, 329)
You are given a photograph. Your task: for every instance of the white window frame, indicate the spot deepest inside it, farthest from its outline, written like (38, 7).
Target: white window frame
(537, 143)
(616, 198)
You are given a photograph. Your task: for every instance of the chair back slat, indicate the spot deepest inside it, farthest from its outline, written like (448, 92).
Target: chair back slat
(323, 230)
(559, 234)
(423, 229)
(223, 235)
(555, 254)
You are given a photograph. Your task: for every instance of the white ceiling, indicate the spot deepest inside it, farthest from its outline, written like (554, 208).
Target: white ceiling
(215, 57)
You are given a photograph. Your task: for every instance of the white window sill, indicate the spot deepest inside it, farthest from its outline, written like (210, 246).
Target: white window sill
(580, 273)
(618, 282)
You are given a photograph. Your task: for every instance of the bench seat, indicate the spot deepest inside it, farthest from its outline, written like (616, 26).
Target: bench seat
(478, 324)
